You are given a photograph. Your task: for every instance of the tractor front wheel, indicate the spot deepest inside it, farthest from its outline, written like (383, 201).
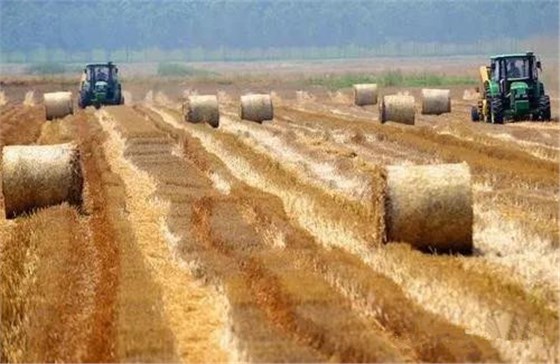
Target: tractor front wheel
(544, 108)
(475, 115)
(496, 111)
(82, 103)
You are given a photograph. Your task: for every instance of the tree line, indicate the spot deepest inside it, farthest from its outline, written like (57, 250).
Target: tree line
(188, 27)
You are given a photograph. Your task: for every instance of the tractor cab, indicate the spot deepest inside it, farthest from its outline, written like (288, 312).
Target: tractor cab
(100, 85)
(516, 75)
(512, 90)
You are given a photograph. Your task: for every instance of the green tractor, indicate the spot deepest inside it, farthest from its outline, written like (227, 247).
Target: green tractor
(100, 86)
(511, 90)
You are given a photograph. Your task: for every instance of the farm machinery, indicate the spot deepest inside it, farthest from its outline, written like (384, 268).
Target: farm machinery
(100, 86)
(511, 90)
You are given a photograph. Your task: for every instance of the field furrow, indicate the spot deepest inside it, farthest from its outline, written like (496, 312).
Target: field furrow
(338, 271)
(268, 241)
(316, 212)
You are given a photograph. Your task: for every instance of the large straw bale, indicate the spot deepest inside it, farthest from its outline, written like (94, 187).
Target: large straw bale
(39, 176)
(397, 108)
(436, 101)
(430, 206)
(256, 107)
(202, 109)
(365, 94)
(58, 104)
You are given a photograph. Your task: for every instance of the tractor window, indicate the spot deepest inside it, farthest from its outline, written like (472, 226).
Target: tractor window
(517, 68)
(535, 70)
(101, 74)
(499, 72)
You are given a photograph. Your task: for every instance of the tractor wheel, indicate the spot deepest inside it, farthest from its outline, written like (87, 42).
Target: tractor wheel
(544, 108)
(496, 111)
(475, 116)
(82, 103)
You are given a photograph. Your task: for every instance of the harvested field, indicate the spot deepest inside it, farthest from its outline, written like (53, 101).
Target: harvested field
(266, 242)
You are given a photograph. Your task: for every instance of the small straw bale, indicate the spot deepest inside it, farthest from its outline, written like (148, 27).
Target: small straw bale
(202, 109)
(435, 102)
(339, 98)
(29, 99)
(149, 98)
(430, 207)
(303, 96)
(58, 104)
(397, 108)
(36, 176)
(223, 97)
(256, 107)
(3, 99)
(365, 94)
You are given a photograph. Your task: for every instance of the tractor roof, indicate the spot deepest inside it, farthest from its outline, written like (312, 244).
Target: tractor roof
(109, 64)
(513, 55)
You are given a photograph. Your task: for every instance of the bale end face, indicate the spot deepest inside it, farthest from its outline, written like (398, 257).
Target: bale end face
(365, 94)
(430, 207)
(202, 109)
(40, 176)
(256, 108)
(58, 104)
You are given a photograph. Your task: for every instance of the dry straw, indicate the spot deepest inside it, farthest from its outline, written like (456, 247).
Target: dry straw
(365, 94)
(202, 109)
(303, 96)
(29, 99)
(397, 108)
(58, 104)
(436, 101)
(256, 107)
(40, 176)
(3, 98)
(430, 207)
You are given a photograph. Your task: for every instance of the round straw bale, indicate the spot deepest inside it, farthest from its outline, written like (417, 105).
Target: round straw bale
(39, 176)
(202, 109)
(397, 108)
(435, 101)
(430, 207)
(58, 104)
(365, 94)
(256, 108)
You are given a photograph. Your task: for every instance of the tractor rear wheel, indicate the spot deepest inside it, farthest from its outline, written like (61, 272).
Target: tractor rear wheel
(496, 111)
(544, 108)
(475, 116)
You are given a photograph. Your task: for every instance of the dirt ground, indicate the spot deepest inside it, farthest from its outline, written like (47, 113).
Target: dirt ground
(258, 242)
